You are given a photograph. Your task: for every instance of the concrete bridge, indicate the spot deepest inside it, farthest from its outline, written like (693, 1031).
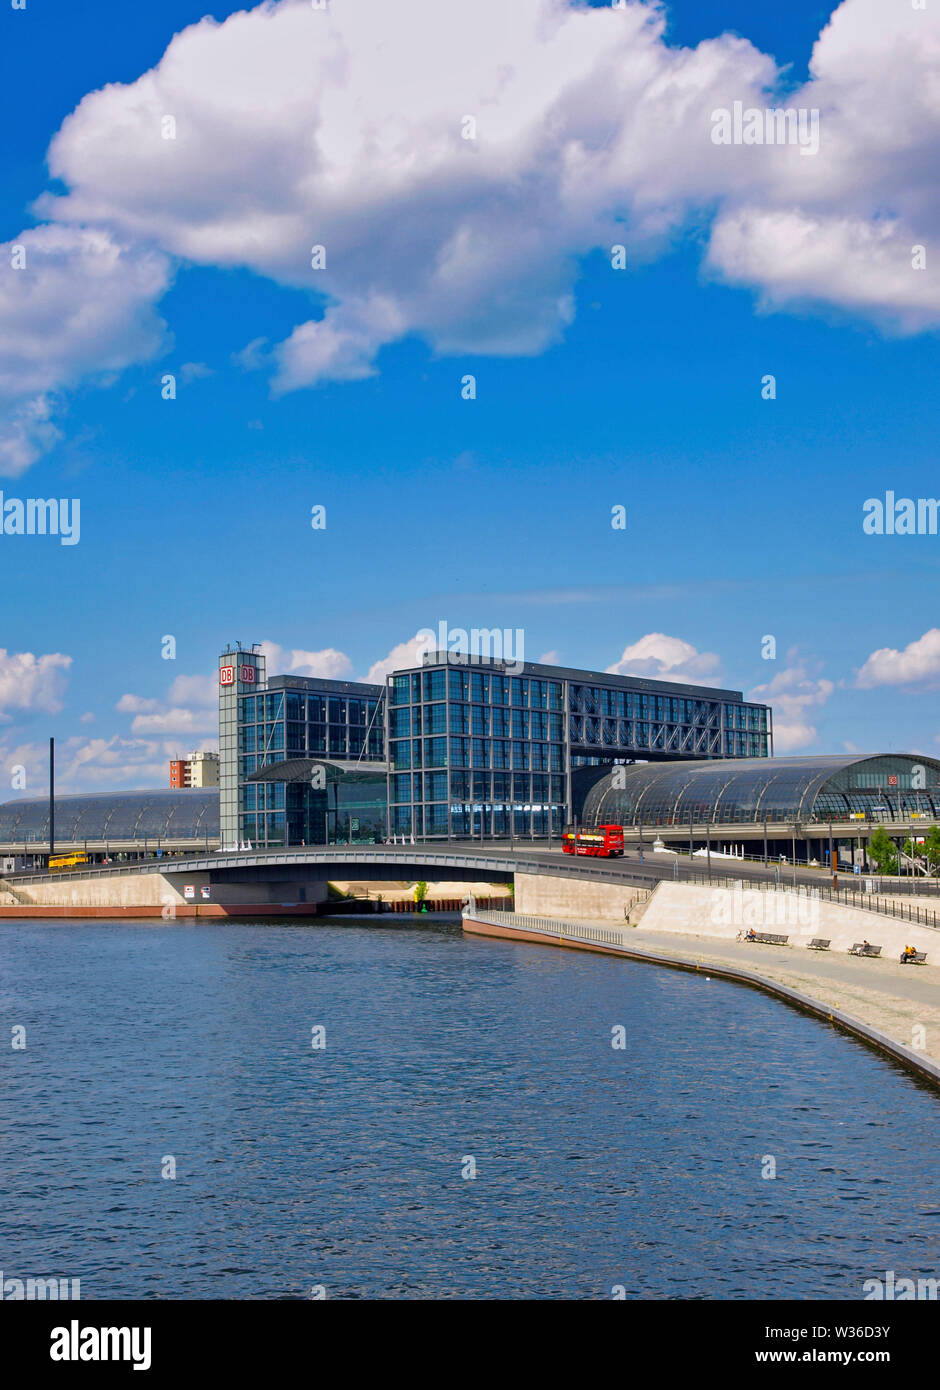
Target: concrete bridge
(496, 862)
(241, 883)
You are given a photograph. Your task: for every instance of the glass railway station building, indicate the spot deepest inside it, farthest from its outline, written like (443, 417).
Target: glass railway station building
(455, 748)
(112, 824)
(842, 794)
(488, 749)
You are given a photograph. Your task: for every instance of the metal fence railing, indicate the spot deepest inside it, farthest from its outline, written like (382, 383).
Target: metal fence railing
(547, 926)
(869, 902)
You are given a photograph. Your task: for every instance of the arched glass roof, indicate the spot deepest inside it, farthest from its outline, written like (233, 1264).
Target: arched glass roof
(190, 813)
(773, 789)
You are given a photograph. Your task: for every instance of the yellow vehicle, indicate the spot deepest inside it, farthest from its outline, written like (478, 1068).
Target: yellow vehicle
(67, 861)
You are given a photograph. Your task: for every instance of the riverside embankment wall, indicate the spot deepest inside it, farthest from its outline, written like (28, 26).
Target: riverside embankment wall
(701, 910)
(543, 895)
(708, 910)
(153, 894)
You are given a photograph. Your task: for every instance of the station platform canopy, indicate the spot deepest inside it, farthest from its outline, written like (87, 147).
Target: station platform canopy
(842, 787)
(176, 815)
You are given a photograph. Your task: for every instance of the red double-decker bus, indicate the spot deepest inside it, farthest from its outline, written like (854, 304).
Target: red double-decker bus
(605, 840)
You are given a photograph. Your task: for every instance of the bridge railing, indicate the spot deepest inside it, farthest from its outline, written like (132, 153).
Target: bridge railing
(501, 858)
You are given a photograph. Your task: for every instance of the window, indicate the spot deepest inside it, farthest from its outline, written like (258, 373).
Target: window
(399, 722)
(434, 685)
(481, 752)
(435, 751)
(460, 752)
(499, 749)
(401, 786)
(435, 719)
(435, 786)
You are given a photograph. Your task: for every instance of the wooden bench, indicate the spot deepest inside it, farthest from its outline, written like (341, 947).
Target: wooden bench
(819, 943)
(767, 938)
(860, 949)
(918, 958)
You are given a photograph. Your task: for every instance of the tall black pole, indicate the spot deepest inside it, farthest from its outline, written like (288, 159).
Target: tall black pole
(51, 797)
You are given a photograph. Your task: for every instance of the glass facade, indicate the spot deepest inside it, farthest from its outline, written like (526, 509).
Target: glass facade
(468, 750)
(794, 790)
(486, 749)
(476, 753)
(294, 717)
(240, 670)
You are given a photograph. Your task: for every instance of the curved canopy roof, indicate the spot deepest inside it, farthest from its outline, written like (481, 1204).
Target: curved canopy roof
(757, 789)
(187, 813)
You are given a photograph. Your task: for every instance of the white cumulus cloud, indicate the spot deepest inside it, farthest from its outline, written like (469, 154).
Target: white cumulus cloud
(917, 663)
(190, 707)
(669, 658)
(402, 656)
(329, 663)
(347, 129)
(81, 303)
(792, 693)
(30, 682)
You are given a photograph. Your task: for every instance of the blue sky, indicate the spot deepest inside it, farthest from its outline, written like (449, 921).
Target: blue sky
(743, 514)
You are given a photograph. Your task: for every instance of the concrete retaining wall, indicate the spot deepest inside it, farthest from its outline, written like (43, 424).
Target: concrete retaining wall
(583, 900)
(700, 910)
(151, 890)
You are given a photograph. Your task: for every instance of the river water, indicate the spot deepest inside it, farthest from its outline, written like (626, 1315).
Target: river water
(345, 1169)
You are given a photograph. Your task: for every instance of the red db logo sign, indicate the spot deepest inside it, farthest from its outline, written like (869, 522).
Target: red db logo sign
(248, 674)
(226, 675)
(893, 780)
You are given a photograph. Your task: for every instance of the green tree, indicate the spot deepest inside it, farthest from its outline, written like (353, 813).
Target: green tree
(882, 851)
(931, 846)
(421, 891)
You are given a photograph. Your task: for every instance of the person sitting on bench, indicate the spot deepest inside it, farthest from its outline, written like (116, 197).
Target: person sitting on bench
(907, 954)
(750, 934)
